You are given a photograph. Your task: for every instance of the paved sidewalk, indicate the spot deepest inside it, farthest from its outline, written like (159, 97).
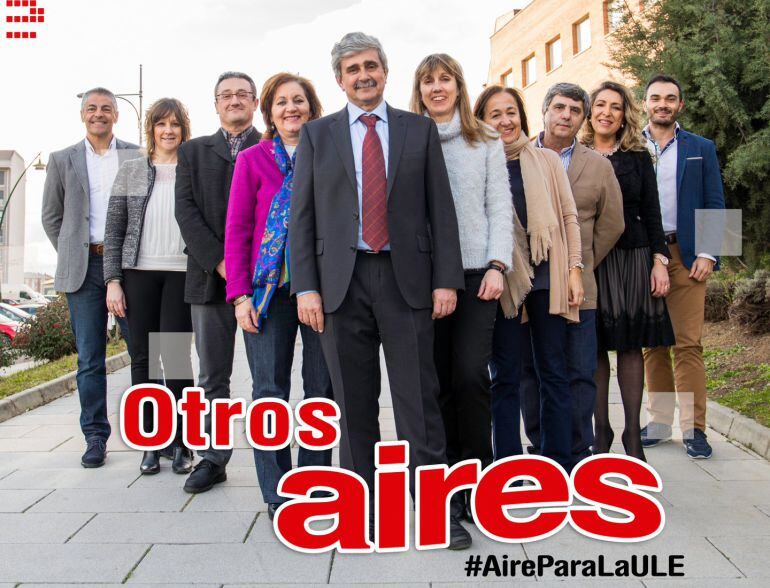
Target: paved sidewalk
(63, 525)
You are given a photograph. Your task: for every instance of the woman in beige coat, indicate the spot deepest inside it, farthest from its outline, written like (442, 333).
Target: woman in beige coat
(544, 285)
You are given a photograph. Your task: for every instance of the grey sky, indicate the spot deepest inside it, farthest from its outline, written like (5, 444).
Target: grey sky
(184, 45)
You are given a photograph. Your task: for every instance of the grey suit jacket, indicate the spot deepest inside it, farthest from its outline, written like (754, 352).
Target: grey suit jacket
(422, 223)
(66, 209)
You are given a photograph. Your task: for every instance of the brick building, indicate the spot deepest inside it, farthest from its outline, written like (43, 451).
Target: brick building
(551, 41)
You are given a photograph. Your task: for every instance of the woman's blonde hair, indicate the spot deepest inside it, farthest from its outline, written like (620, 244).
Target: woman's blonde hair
(472, 129)
(159, 110)
(630, 133)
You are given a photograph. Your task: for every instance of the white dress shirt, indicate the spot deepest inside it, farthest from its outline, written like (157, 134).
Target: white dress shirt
(357, 134)
(102, 170)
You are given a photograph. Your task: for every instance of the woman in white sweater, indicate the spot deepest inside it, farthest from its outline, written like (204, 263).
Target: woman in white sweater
(478, 176)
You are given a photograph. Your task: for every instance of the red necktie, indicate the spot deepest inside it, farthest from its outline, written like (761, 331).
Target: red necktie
(374, 201)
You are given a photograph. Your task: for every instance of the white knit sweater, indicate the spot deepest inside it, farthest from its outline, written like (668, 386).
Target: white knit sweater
(478, 176)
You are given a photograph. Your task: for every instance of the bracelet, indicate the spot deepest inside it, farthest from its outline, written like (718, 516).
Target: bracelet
(579, 265)
(241, 298)
(497, 267)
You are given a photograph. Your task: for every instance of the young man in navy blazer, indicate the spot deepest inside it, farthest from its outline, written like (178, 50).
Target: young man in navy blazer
(688, 181)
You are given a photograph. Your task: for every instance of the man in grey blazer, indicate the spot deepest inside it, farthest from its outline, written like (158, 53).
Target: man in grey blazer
(375, 254)
(77, 190)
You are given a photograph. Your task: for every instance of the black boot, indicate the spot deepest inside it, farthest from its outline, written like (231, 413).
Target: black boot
(204, 476)
(183, 460)
(150, 463)
(459, 537)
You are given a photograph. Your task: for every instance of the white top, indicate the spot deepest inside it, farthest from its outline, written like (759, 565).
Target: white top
(102, 170)
(357, 134)
(478, 176)
(290, 149)
(162, 247)
(665, 158)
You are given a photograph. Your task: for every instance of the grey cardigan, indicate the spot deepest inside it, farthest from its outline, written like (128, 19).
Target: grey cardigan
(125, 216)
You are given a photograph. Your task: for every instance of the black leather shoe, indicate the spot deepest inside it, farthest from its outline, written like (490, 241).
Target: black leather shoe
(204, 476)
(96, 453)
(183, 460)
(150, 463)
(271, 508)
(459, 537)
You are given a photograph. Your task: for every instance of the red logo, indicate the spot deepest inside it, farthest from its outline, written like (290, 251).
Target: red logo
(24, 19)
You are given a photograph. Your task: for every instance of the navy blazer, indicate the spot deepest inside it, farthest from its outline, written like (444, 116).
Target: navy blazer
(699, 186)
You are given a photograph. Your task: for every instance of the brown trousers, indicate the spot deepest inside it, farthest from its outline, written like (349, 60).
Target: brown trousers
(686, 378)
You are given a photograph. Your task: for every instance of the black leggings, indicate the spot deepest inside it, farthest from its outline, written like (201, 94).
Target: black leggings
(155, 304)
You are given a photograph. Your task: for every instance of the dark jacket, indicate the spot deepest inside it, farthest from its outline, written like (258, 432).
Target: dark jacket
(641, 206)
(125, 216)
(203, 175)
(422, 224)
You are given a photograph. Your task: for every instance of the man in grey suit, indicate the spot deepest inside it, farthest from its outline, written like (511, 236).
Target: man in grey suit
(375, 254)
(77, 190)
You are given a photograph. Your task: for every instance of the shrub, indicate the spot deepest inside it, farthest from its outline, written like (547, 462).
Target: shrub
(719, 297)
(751, 304)
(7, 352)
(49, 336)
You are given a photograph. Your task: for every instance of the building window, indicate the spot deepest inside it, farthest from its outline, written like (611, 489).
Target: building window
(613, 15)
(581, 35)
(529, 70)
(506, 80)
(553, 54)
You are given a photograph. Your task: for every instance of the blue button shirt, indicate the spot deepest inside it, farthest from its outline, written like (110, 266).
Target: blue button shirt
(357, 134)
(565, 154)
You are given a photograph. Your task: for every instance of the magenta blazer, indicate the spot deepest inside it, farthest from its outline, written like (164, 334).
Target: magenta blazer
(256, 180)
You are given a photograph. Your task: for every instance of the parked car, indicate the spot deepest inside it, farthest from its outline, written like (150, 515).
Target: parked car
(30, 309)
(14, 313)
(8, 329)
(23, 293)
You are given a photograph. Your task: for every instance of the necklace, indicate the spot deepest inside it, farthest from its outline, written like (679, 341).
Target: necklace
(608, 153)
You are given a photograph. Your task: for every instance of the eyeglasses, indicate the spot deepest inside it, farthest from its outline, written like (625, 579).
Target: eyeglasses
(241, 95)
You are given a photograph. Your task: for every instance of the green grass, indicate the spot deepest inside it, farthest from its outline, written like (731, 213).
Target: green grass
(48, 371)
(744, 388)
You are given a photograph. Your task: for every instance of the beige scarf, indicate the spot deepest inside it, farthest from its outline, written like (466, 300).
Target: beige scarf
(541, 220)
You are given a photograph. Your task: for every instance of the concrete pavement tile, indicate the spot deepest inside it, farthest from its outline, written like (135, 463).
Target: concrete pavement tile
(40, 528)
(701, 559)
(19, 500)
(156, 528)
(365, 585)
(78, 443)
(738, 470)
(33, 418)
(231, 563)
(440, 565)
(68, 563)
(749, 554)
(5, 472)
(33, 443)
(72, 430)
(764, 508)
(235, 477)
(682, 470)
(222, 498)
(100, 585)
(739, 519)
(69, 478)
(110, 500)
(65, 459)
(578, 583)
(682, 494)
(15, 431)
(705, 583)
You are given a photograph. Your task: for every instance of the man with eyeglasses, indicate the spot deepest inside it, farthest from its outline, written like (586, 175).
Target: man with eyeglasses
(203, 176)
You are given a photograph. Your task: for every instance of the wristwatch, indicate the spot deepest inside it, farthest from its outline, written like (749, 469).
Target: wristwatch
(661, 258)
(240, 299)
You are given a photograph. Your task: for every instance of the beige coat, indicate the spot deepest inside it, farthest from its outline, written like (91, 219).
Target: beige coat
(600, 212)
(564, 252)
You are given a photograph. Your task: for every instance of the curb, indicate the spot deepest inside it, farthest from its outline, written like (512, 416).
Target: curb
(739, 428)
(25, 400)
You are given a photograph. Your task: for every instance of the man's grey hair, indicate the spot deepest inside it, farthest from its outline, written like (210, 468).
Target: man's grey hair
(235, 74)
(353, 43)
(103, 92)
(572, 91)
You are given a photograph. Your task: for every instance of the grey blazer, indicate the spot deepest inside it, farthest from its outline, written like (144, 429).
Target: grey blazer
(66, 209)
(125, 216)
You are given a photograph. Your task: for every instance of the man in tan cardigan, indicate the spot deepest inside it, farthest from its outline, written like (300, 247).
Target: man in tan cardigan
(600, 213)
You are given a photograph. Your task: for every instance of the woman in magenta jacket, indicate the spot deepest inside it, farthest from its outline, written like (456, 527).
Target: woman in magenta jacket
(259, 268)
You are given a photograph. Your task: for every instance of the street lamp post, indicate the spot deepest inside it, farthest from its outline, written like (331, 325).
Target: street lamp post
(137, 112)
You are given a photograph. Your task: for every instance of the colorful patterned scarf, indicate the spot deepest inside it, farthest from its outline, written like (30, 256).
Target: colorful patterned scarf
(272, 268)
